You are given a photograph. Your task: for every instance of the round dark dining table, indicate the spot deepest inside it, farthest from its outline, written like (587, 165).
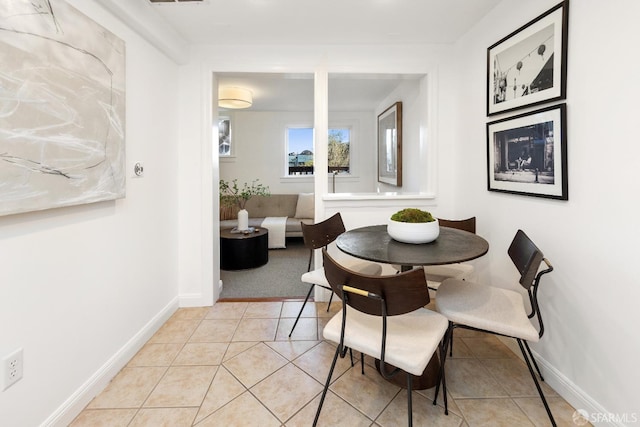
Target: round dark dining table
(373, 243)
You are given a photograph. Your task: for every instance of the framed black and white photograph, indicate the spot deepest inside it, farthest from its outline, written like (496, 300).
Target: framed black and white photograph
(225, 147)
(390, 145)
(529, 66)
(527, 154)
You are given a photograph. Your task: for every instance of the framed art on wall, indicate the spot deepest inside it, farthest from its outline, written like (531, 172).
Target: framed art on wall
(390, 145)
(63, 121)
(527, 154)
(225, 144)
(529, 66)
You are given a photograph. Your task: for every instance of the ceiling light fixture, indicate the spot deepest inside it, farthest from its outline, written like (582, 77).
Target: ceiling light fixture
(234, 97)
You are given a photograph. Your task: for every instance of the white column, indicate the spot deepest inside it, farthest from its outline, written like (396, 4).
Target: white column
(320, 153)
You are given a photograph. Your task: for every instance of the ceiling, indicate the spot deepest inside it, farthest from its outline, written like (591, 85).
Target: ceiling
(319, 22)
(322, 21)
(294, 92)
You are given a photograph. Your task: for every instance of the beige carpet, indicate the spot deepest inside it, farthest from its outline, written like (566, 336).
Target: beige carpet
(280, 277)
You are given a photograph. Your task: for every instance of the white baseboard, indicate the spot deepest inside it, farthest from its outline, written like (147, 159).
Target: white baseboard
(192, 300)
(70, 409)
(569, 391)
(573, 394)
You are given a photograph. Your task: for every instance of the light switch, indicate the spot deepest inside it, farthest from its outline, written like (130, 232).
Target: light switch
(138, 169)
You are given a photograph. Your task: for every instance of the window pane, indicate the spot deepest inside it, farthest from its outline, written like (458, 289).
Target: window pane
(338, 150)
(300, 149)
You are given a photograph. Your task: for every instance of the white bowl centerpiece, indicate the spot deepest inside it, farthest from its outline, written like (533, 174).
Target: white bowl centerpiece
(413, 226)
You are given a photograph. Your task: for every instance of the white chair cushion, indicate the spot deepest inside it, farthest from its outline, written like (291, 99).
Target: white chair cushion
(436, 274)
(368, 268)
(485, 307)
(439, 273)
(317, 277)
(412, 338)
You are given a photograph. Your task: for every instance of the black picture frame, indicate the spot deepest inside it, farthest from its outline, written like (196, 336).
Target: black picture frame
(527, 154)
(529, 66)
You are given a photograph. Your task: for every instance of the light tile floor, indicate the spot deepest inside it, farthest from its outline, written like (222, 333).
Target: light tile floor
(233, 365)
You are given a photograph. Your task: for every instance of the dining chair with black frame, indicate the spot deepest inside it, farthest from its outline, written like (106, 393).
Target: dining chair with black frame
(437, 273)
(463, 271)
(501, 311)
(318, 236)
(384, 317)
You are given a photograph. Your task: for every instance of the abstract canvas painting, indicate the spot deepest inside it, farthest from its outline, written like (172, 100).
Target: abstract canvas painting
(62, 108)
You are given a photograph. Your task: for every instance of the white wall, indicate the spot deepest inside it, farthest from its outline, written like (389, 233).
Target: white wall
(590, 349)
(413, 96)
(259, 140)
(82, 286)
(198, 172)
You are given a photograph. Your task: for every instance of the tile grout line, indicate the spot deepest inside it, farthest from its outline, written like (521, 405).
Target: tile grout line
(294, 355)
(167, 370)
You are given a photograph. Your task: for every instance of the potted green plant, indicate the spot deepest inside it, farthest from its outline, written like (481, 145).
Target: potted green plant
(413, 225)
(233, 195)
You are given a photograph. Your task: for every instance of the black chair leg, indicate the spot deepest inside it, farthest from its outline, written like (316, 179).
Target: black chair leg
(448, 335)
(301, 309)
(326, 386)
(409, 399)
(450, 345)
(362, 363)
(535, 380)
(443, 352)
(533, 360)
(329, 305)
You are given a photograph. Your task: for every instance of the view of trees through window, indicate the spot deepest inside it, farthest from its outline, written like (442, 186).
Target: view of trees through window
(300, 150)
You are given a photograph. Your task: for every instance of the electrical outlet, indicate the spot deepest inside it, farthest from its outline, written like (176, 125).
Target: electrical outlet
(12, 366)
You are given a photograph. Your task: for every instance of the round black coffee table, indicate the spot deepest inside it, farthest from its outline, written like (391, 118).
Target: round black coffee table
(239, 251)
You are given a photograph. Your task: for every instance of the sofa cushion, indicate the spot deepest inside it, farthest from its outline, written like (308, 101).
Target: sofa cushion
(305, 208)
(274, 205)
